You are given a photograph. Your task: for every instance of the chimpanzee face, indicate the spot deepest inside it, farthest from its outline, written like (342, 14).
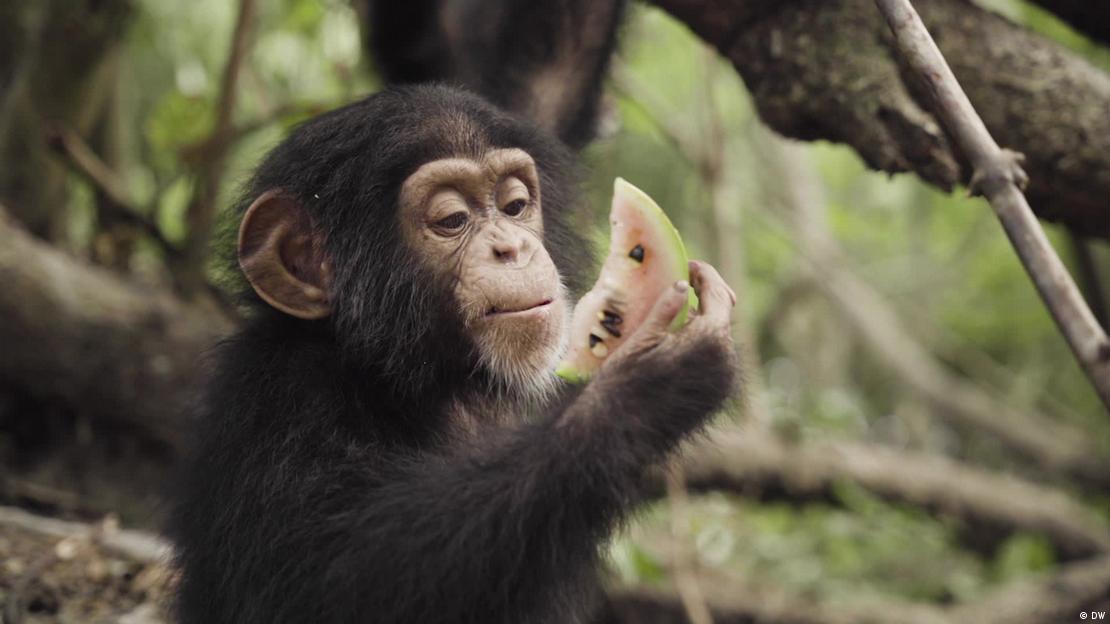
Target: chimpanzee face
(482, 221)
(475, 223)
(411, 224)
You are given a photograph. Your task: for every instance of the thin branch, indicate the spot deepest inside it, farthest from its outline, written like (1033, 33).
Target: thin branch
(685, 562)
(998, 175)
(84, 161)
(201, 211)
(729, 244)
(1052, 446)
(136, 545)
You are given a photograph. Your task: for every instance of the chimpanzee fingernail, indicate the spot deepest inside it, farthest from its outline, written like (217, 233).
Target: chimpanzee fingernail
(682, 286)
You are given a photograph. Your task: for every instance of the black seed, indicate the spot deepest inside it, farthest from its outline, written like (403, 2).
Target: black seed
(609, 327)
(594, 340)
(637, 253)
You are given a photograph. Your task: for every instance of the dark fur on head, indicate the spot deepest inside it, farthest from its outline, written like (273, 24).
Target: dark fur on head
(346, 167)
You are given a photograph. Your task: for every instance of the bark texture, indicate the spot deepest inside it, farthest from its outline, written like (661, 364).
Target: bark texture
(83, 335)
(826, 69)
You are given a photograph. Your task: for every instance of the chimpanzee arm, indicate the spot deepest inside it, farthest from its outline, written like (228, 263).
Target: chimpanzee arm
(481, 534)
(470, 536)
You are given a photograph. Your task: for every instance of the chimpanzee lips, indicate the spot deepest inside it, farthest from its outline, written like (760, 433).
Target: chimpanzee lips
(499, 311)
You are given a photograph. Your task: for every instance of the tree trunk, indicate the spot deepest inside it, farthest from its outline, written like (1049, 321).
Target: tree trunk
(826, 70)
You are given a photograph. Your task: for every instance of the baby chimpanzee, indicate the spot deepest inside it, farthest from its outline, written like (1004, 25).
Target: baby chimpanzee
(385, 441)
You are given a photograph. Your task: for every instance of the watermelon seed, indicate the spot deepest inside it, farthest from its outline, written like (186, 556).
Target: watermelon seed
(597, 347)
(637, 253)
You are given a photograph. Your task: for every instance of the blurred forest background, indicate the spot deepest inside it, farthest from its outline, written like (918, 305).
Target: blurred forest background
(916, 444)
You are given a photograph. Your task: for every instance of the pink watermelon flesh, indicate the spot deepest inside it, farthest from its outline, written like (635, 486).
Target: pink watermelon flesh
(646, 256)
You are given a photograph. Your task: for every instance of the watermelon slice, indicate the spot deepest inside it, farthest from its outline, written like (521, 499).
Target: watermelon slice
(646, 256)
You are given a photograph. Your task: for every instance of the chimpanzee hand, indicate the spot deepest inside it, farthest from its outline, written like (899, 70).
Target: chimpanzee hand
(709, 323)
(661, 385)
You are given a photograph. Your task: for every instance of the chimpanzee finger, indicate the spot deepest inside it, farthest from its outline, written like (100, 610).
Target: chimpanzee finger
(715, 297)
(665, 310)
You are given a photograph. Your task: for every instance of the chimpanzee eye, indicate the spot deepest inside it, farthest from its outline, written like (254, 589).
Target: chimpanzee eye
(515, 207)
(452, 221)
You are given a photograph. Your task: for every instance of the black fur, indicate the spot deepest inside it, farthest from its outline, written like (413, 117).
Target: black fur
(326, 483)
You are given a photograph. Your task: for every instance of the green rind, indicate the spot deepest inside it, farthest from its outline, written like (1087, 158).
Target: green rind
(658, 220)
(571, 374)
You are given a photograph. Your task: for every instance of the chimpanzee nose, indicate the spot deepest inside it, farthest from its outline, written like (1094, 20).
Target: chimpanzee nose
(510, 246)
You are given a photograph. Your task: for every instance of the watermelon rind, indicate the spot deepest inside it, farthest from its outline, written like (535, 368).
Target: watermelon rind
(659, 221)
(670, 240)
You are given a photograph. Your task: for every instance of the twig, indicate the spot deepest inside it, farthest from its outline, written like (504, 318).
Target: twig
(729, 243)
(1052, 446)
(685, 573)
(201, 211)
(137, 545)
(84, 161)
(997, 174)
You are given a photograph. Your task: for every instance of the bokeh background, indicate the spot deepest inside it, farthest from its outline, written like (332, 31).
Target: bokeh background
(915, 432)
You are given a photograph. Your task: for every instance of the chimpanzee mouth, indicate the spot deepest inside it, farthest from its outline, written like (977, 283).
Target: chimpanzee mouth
(499, 311)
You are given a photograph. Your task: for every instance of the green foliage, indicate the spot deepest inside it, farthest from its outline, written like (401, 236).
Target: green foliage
(940, 259)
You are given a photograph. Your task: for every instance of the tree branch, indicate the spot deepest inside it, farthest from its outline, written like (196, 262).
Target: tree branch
(1056, 597)
(127, 354)
(825, 70)
(1051, 445)
(1048, 599)
(84, 161)
(998, 175)
(990, 504)
(732, 601)
(202, 209)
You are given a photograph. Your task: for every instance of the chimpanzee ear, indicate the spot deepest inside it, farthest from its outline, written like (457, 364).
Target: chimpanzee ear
(282, 255)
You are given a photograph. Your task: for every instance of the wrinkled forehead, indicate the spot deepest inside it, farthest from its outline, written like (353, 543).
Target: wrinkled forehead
(475, 174)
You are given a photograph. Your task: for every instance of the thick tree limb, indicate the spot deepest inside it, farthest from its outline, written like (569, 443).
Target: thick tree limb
(998, 175)
(824, 70)
(992, 505)
(84, 335)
